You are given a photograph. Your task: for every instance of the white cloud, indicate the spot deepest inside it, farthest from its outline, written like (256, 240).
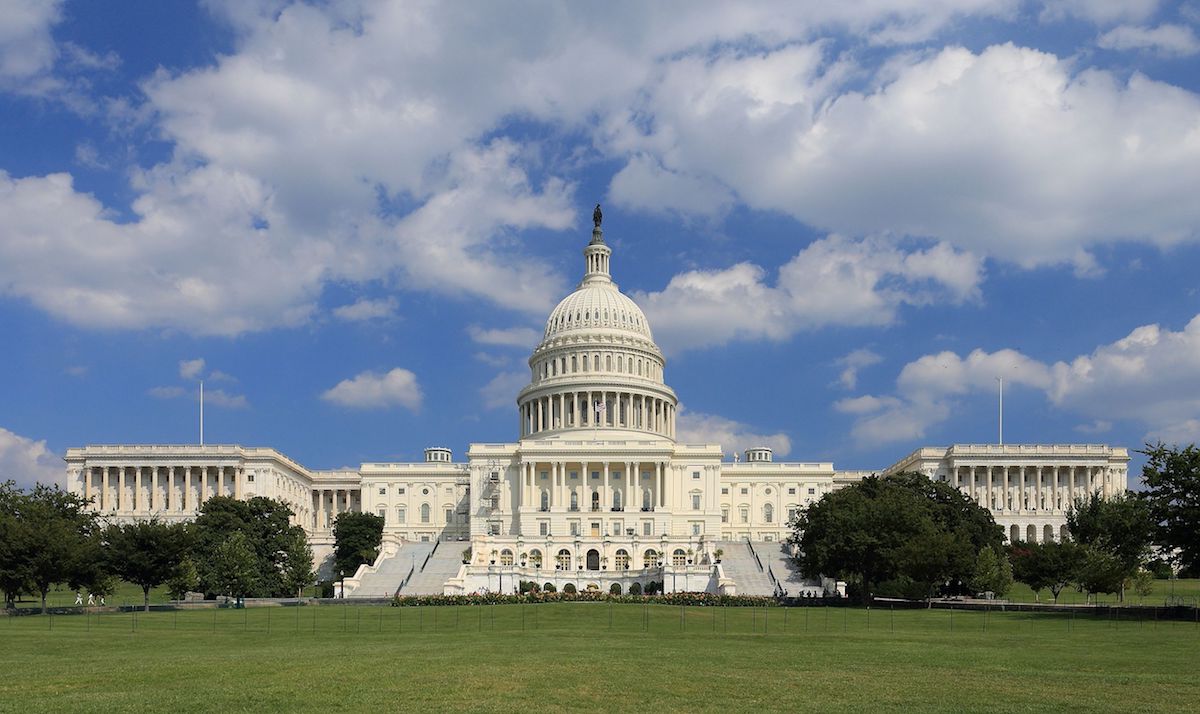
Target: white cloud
(27, 48)
(372, 390)
(733, 436)
(644, 185)
(1151, 377)
(1099, 11)
(501, 391)
(166, 392)
(833, 281)
(191, 368)
(221, 398)
(853, 362)
(1009, 153)
(364, 309)
(1166, 39)
(523, 337)
(28, 462)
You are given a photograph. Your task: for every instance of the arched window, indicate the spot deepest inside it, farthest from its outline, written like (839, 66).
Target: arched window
(424, 512)
(622, 560)
(1014, 534)
(506, 557)
(595, 500)
(401, 514)
(1031, 534)
(563, 560)
(650, 558)
(679, 557)
(744, 514)
(616, 500)
(545, 500)
(1047, 534)
(535, 558)
(645, 499)
(574, 501)
(768, 513)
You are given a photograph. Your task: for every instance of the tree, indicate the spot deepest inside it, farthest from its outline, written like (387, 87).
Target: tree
(357, 537)
(993, 573)
(184, 579)
(146, 553)
(1100, 571)
(59, 528)
(1120, 527)
(297, 564)
(266, 525)
(233, 568)
(15, 574)
(1051, 565)
(1172, 478)
(904, 530)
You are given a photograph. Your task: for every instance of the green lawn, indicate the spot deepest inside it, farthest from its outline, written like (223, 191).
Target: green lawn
(596, 656)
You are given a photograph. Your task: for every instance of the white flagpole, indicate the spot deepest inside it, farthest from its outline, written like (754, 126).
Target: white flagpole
(202, 412)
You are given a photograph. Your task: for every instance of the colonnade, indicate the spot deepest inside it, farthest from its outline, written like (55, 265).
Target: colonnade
(328, 502)
(1003, 488)
(559, 486)
(625, 410)
(153, 489)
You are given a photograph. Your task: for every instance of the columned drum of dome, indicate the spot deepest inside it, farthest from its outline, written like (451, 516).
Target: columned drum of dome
(597, 368)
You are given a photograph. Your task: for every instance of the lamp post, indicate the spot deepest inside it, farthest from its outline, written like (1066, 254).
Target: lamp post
(342, 590)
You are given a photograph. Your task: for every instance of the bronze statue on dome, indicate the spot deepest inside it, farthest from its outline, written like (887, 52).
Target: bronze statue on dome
(597, 216)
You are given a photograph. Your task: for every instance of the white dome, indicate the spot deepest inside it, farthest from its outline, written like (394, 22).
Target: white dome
(594, 307)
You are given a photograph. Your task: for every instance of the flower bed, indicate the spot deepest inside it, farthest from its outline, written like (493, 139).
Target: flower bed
(691, 599)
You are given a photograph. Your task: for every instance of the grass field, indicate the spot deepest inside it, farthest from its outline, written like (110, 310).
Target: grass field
(596, 656)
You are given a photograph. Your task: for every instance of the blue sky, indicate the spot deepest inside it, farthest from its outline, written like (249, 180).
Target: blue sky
(843, 220)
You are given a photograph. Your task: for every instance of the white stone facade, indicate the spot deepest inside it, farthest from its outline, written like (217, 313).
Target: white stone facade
(596, 490)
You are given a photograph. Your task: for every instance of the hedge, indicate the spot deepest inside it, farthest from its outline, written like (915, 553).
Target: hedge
(698, 599)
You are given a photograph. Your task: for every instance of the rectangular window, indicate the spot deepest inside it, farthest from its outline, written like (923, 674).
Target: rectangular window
(618, 528)
(744, 514)
(383, 491)
(791, 491)
(574, 475)
(695, 475)
(724, 492)
(544, 476)
(647, 527)
(249, 478)
(543, 528)
(745, 491)
(493, 528)
(449, 516)
(695, 502)
(574, 528)
(696, 528)
(383, 513)
(724, 516)
(595, 475)
(811, 491)
(400, 490)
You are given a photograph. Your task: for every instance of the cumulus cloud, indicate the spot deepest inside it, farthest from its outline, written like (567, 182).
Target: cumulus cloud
(1151, 376)
(853, 362)
(365, 309)
(166, 392)
(833, 281)
(523, 337)
(1009, 153)
(733, 436)
(1166, 39)
(28, 461)
(191, 368)
(372, 390)
(27, 48)
(1098, 11)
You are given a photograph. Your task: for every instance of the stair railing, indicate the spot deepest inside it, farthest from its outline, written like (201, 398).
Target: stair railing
(430, 554)
(755, 554)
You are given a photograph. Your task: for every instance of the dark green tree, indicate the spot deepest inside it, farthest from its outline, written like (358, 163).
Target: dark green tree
(1120, 527)
(59, 535)
(184, 579)
(357, 537)
(903, 530)
(146, 553)
(1100, 571)
(266, 525)
(1049, 566)
(993, 573)
(1172, 478)
(15, 553)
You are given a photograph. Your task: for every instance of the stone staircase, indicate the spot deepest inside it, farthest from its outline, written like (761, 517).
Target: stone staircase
(384, 582)
(443, 563)
(778, 558)
(739, 564)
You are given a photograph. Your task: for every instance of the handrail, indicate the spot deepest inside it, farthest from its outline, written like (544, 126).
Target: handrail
(430, 554)
(755, 554)
(404, 582)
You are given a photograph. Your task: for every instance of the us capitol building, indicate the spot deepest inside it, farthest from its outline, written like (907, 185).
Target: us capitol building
(596, 490)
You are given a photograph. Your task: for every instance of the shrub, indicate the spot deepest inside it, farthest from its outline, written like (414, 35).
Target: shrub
(549, 587)
(528, 586)
(635, 589)
(614, 589)
(569, 588)
(326, 588)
